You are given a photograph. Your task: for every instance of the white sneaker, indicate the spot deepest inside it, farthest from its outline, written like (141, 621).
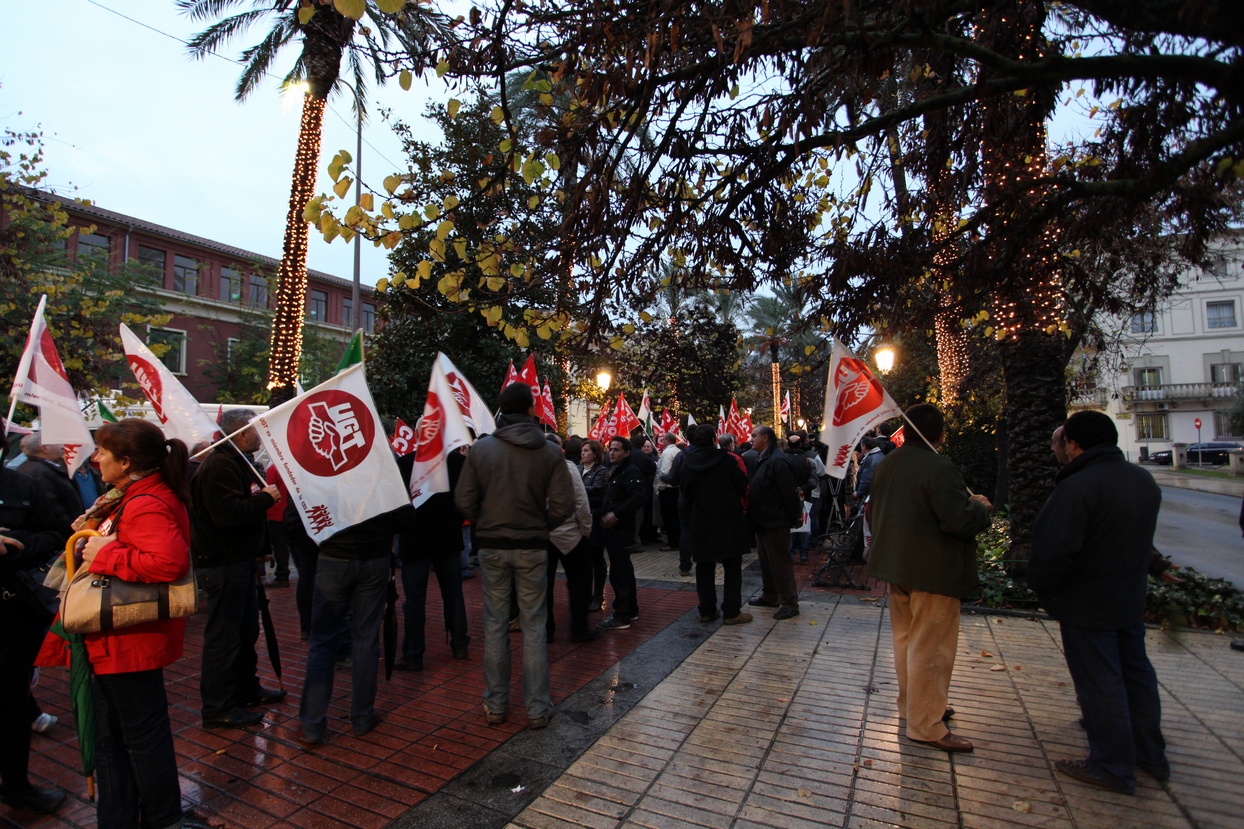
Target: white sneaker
(43, 723)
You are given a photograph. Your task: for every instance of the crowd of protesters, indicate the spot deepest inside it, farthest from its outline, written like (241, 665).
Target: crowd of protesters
(521, 503)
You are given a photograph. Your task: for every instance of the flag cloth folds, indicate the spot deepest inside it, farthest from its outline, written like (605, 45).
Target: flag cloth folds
(598, 430)
(441, 430)
(353, 353)
(669, 422)
(528, 376)
(734, 423)
(544, 406)
(690, 422)
(403, 440)
(624, 420)
(105, 414)
(854, 403)
(511, 376)
(721, 420)
(329, 448)
(478, 416)
(180, 414)
(745, 428)
(644, 412)
(899, 437)
(42, 381)
(786, 408)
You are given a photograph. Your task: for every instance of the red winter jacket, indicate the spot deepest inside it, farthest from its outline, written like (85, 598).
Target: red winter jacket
(153, 545)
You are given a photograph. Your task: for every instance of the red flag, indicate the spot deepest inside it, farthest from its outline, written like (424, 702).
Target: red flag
(734, 424)
(624, 419)
(669, 422)
(511, 376)
(545, 406)
(597, 432)
(403, 440)
(220, 413)
(898, 437)
(745, 428)
(528, 376)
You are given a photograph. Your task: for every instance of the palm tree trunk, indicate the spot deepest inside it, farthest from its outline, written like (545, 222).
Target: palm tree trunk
(291, 287)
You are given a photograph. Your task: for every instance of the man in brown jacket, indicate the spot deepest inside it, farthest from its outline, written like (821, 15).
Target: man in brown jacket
(924, 526)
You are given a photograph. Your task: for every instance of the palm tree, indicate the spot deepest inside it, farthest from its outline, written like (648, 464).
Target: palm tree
(774, 319)
(327, 36)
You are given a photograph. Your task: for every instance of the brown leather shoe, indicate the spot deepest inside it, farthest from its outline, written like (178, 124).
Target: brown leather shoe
(951, 742)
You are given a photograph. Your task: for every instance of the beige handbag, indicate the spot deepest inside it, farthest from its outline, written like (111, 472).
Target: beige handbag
(93, 603)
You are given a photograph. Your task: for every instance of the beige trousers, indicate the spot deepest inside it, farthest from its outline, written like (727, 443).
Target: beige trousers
(926, 633)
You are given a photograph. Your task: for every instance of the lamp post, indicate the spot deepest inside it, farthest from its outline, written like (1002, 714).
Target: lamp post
(884, 358)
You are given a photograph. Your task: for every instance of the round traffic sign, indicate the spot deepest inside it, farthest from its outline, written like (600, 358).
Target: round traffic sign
(1197, 423)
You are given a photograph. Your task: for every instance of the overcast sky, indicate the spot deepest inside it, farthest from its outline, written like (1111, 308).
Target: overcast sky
(141, 129)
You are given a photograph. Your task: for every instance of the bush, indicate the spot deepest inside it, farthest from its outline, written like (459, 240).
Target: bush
(1198, 602)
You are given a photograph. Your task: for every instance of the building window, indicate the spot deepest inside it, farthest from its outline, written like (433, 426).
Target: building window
(347, 312)
(1149, 378)
(369, 317)
(175, 356)
(1225, 373)
(153, 257)
(317, 305)
(1220, 314)
(230, 285)
(93, 244)
(1145, 322)
(1152, 426)
(258, 296)
(1222, 427)
(185, 275)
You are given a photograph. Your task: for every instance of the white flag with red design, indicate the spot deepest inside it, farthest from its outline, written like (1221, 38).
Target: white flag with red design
(786, 407)
(721, 421)
(544, 405)
(42, 381)
(403, 440)
(441, 430)
(180, 414)
(328, 446)
(474, 410)
(854, 403)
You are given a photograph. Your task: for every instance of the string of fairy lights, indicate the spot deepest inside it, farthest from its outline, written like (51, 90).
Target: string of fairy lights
(952, 350)
(292, 275)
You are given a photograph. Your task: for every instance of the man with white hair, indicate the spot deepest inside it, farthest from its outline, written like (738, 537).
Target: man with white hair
(45, 462)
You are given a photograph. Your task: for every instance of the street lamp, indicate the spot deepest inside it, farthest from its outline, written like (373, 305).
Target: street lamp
(884, 358)
(603, 379)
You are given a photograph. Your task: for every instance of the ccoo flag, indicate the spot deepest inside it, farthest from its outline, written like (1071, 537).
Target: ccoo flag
(42, 381)
(180, 414)
(854, 403)
(441, 430)
(328, 446)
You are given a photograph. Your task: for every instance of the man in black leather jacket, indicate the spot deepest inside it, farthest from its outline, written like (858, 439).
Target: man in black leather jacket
(623, 504)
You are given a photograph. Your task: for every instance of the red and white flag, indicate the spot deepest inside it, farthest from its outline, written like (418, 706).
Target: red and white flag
(42, 381)
(786, 408)
(441, 430)
(721, 421)
(328, 446)
(511, 376)
(528, 376)
(180, 414)
(474, 410)
(854, 403)
(745, 428)
(403, 440)
(669, 422)
(624, 420)
(544, 406)
(898, 437)
(734, 423)
(597, 432)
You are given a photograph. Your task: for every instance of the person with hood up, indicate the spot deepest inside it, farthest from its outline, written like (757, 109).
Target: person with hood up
(714, 484)
(515, 488)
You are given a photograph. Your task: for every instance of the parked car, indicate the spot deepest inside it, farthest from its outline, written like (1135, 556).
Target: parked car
(1214, 452)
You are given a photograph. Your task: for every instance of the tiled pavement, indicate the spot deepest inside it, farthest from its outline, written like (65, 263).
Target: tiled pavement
(675, 723)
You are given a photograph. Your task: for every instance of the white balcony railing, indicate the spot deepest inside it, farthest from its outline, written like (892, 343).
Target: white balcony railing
(1180, 391)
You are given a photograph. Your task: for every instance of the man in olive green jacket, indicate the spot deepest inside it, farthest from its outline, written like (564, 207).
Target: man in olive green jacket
(924, 525)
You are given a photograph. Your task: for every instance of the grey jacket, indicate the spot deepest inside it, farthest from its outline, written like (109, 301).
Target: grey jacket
(515, 487)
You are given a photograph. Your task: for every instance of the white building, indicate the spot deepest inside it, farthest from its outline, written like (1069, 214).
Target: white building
(1182, 362)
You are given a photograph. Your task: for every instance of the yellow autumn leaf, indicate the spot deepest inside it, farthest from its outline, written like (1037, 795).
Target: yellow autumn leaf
(494, 313)
(453, 106)
(398, 278)
(553, 161)
(495, 283)
(432, 212)
(521, 338)
(533, 202)
(347, 233)
(645, 316)
(450, 202)
(444, 229)
(404, 78)
(382, 285)
(809, 349)
(366, 202)
(352, 9)
(516, 270)
(617, 343)
(342, 187)
(391, 240)
(391, 6)
(442, 68)
(305, 14)
(505, 145)
(353, 216)
(424, 270)
(387, 210)
(629, 328)
(391, 183)
(460, 248)
(497, 115)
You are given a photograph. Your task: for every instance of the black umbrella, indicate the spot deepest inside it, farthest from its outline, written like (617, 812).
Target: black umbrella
(390, 625)
(269, 631)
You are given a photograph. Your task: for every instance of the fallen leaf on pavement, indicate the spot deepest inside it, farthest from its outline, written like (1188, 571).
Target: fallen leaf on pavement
(986, 653)
(1022, 806)
(998, 668)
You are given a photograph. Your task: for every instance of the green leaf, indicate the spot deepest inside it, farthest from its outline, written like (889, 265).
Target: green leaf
(453, 106)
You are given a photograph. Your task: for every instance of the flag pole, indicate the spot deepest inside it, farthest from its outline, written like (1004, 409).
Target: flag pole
(229, 439)
(916, 429)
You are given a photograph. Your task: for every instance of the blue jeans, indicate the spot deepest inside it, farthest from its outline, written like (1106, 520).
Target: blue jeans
(527, 569)
(134, 759)
(415, 587)
(229, 663)
(342, 585)
(1117, 689)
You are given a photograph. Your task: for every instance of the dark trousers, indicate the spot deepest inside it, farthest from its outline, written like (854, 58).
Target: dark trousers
(600, 572)
(229, 662)
(134, 759)
(14, 731)
(647, 532)
(578, 566)
(731, 591)
(622, 576)
(280, 550)
(304, 591)
(684, 536)
(669, 514)
(415, 573)
(777, 574)
(1117, 689)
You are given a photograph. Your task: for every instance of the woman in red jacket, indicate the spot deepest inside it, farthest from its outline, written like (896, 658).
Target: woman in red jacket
(145, 538)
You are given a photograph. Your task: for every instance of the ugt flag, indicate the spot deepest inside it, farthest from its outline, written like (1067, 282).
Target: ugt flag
(180, 414)
(854, 403)
(441, 430)
(329, 447)
(476, 412)
(42, 381)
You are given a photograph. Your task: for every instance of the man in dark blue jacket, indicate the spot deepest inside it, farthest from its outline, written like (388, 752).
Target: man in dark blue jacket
(1092, 545)
(622, 508)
